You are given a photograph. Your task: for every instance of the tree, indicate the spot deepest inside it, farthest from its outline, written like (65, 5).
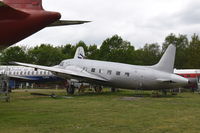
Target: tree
(181, 42)
(93, 52)
(193, 53)
(67, 51)
(148, 55)
(117, 50)
(45, 55)
(14, 54)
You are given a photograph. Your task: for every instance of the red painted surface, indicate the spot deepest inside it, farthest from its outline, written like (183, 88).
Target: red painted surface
(22, 18)
(189, 75)
(192, 78)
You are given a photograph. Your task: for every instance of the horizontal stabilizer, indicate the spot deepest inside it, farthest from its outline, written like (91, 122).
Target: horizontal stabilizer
(67, 22)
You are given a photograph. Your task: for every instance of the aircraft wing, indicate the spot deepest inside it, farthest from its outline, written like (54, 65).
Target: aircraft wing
(67, 22)
(71, 72)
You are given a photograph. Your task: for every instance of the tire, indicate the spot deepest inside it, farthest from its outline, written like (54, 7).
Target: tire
(113, 90)
(71, 90)
(98, 89)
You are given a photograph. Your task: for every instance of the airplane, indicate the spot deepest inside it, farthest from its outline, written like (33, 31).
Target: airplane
(118, 75)
(19, 74)
(193, 75)
(22, 18)
(27, 73)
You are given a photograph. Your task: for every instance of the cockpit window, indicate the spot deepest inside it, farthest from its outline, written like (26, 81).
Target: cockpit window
(61, 64)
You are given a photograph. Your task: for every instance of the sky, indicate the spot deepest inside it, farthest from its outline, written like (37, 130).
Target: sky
(136, 21)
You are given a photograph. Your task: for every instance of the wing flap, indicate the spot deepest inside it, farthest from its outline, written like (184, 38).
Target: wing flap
(73, 71)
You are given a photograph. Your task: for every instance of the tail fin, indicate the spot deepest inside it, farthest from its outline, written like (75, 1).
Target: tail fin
(166, 63)
(25, 4)
(80, 53)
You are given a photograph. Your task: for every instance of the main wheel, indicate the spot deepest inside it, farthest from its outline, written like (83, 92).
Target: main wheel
(164, 92)
(71, 90)
(113, 89)
(98, 89)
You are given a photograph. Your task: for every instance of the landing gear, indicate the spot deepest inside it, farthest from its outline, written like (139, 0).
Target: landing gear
(71, 90)
(98, 89)
(113, 89)
(164, 92)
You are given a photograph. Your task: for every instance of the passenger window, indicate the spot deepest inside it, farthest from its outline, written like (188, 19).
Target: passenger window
(93, 70)
(21, 73)
(100, 71)
(109, 72)
(118, 73)
(127, 74)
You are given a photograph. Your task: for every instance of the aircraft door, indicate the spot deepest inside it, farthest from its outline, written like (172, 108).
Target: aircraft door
(139, 79)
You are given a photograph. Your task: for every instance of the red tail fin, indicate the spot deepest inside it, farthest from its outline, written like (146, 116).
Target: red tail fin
(25, 4)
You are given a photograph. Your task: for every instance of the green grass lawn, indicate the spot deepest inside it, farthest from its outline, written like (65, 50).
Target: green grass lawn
(100, 113)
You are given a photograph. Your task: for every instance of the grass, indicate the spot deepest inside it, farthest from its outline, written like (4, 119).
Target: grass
(118, 112)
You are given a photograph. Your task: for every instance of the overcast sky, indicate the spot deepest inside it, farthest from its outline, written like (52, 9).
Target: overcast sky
(137, 21)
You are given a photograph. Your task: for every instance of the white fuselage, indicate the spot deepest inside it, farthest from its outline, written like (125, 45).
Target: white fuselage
(20, 72)
(126, 76)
